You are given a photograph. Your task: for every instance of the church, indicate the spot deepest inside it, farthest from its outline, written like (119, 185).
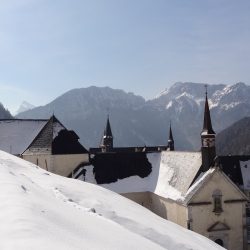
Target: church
(200, 191)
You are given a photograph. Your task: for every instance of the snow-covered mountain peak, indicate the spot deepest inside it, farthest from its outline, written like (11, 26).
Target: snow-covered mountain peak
(231, 96)
(25, 106)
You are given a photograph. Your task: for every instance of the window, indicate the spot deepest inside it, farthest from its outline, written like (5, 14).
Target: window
(217, 197)
(219, 242)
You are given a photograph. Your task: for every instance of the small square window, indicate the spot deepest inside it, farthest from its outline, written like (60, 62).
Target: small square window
(217, 196)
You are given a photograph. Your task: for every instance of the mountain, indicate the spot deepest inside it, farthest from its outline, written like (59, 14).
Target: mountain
(235, 140)
(184, 103)
(85, 110)
(40, 210)
(24, 107)
(4, 113)
(137, 122)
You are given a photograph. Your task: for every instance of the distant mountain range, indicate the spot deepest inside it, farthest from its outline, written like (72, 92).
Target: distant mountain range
(235, 140)
(135, 121)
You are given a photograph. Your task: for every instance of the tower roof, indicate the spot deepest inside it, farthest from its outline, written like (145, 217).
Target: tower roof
(170, 134)
(207, 124)
(107, 131)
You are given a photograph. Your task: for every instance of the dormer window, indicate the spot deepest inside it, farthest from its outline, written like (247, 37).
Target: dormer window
(217, 197)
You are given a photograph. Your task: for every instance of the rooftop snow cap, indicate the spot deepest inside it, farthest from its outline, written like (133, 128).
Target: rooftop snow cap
(207, 124)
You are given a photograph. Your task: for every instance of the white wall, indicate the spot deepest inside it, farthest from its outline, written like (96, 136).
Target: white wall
(58, 164)
(233, 215)
(65, 164)
(165, 208)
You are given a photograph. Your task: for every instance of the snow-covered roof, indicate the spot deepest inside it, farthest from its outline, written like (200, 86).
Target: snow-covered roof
(201, 179)
(41, 210)
(204, 177)
(17, 134)
(172, 174)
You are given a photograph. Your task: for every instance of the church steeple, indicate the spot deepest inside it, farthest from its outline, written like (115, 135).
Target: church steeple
(107, 131)
(207, 124)
(170, 139)
(107, 139)
(207, 139)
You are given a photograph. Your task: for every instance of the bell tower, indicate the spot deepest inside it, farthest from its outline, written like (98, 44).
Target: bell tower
(208, 150)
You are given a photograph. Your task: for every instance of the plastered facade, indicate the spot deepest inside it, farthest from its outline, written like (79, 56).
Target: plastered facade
(59, 164)
(165, 208)
(228, 226)
(231, 222)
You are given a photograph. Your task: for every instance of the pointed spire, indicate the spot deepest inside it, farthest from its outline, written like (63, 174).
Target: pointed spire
(170, 133)
(107, 131)
(170, 139)
(207, 124)
(107, 140)
(208, 150)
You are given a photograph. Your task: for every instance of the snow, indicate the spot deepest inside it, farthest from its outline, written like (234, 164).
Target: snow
(24, 107)
(198, 183)
(57, 127)
(230, 105)
(16, 135)
(245, 165)
(169, 105)
(40, 210)
(169, 177)
(162, 93)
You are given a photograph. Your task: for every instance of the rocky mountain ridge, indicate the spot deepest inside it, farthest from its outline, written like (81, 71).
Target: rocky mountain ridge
(4, 113)
(235, 140)
(135, 121)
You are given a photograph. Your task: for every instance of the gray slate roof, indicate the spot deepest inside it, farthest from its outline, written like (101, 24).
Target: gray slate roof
(17, 134)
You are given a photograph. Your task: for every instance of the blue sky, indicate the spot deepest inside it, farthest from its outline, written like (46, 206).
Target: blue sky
(50, 46)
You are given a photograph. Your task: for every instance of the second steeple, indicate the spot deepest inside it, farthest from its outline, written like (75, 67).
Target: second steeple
(107, 139)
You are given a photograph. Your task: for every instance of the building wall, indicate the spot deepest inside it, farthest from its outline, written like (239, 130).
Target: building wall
(58, 164)
(233, 215)
(42, 160)
(142, 198)
(165, 208)
(65, 164)
(170, 210)
(199, 215)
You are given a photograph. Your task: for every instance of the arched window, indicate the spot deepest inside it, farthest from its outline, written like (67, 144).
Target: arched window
(217, 197)
(219, 242)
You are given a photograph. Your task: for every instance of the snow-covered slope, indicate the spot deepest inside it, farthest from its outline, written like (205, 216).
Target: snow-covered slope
(40, 210)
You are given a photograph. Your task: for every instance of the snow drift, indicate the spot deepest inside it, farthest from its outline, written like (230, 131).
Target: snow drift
(40, 210)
